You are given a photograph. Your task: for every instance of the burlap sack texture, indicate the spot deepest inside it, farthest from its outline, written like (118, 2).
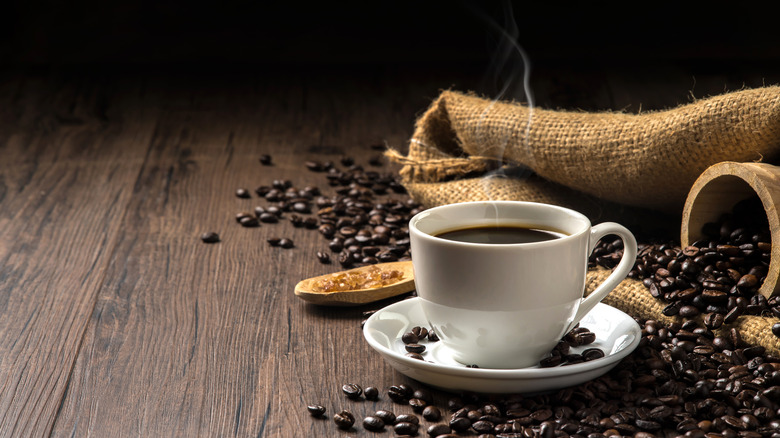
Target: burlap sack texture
(647, 160)
(633, 168)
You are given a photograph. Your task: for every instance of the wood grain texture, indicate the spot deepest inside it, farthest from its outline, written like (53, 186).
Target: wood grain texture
(116, 320)
(63, 193)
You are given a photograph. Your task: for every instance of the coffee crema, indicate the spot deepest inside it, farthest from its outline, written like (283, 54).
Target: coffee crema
(501, 234)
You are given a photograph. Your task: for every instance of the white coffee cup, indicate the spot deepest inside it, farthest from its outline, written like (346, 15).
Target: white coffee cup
(498, 305)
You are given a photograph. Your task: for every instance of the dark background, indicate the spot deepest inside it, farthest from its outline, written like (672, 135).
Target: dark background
(426, 34)
(686, 51)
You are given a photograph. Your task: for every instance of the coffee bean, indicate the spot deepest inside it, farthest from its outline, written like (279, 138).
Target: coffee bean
(242, 193)
(776, 329)
(265, 160)
(249, 221)
(323, 257)
(592, 354)
(585, 338)
(418, 405)
(407, 418)
(274, 241)
(410, 338)
(551, 361)
(344, 420)
(406, 428)
(286, 243)
(352, 390)
(431, 413)
(209, 237)
(713, 320)
(459, 424)
(438, 430)
(397, 394)
(415, 348)
(374, 424)
(316, 410)
(371, 393)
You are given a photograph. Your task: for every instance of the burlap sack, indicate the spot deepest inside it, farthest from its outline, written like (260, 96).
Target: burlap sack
(636, 169)
(647, 160)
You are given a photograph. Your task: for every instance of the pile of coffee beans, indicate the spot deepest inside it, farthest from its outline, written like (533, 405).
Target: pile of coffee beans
(413, 338)
(363, 221)
(717, 277)
(681, 381)
(416, 339)
(562, 354)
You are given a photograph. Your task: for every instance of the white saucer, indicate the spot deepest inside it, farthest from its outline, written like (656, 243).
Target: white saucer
(617, 334)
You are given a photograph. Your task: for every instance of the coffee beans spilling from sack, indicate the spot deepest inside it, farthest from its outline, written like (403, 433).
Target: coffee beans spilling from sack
(717, 277)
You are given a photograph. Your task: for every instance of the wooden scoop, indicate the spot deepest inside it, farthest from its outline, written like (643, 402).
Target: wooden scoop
(719, 188)
(400, 282)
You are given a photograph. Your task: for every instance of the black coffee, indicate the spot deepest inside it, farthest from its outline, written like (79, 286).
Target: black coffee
(500, 234)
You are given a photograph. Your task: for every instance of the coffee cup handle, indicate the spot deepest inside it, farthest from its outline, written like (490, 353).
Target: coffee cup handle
(619, 274)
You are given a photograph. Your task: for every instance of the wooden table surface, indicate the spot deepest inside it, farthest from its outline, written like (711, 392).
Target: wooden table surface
(117, 320)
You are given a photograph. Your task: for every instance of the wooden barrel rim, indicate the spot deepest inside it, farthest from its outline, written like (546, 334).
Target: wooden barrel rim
(720, 187)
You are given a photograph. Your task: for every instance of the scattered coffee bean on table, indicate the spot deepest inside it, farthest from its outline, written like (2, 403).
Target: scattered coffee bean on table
(352, 390)
(316, 410)
(344, 420)
(374, 424)
(265, 160)
(362, 221)
(209, 237)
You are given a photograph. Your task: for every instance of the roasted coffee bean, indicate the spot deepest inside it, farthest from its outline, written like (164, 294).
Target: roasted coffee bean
(415, 348)
(209, 237)
(352, 390)
(371, 393)
(776, 329)
(249, 222)
(268, 218)
(265, 159)
(592, 354)
(397, 394)
(585, 338)
(316, 410)
(286, 243)
(713, 320)
(323, 257)
(242, 193)
(374, 424)
(551, 361)
(460, 424)
(417, 404)
(274, 241)
(410, 338)
(431, 413)
(387, 417)
(407, 418)
(406, 428)
(344, 419)
(438, 430)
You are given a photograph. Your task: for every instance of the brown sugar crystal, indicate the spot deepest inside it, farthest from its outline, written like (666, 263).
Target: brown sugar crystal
(371, 277)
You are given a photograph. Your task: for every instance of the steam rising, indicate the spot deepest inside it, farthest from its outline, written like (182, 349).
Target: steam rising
(508, 75)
